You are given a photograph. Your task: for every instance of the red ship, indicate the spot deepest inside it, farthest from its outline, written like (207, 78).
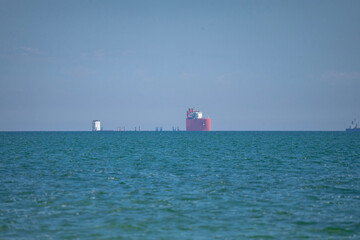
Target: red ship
(195, 121)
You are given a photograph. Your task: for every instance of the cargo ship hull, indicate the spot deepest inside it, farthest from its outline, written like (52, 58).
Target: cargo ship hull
(200, 124)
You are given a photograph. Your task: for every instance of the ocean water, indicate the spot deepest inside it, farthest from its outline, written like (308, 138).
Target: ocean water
(179, 185)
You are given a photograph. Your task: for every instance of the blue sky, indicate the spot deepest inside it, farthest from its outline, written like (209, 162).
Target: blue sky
(249, 65)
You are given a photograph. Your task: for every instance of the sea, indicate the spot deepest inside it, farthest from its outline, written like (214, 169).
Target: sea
(179, 185)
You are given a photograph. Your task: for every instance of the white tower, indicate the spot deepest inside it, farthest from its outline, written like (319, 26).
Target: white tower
(96, 125)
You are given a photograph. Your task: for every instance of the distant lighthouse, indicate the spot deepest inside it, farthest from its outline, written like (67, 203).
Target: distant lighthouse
(96, 125)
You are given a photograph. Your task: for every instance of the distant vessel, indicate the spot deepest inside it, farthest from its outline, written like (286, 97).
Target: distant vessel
(96, 125)
(353, 127)
(195, 121)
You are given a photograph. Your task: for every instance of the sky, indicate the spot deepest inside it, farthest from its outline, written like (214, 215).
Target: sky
(248, 65)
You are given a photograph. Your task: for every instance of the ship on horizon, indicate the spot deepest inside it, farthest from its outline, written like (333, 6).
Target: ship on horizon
(353, 127)
(196, 122)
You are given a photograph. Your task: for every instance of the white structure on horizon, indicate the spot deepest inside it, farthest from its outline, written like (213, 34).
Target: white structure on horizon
(96, 125)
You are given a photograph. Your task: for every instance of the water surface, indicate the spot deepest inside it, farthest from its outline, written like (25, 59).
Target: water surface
(179, 185)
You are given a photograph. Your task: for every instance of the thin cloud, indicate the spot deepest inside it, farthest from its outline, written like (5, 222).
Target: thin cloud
(19, 51)
(341, 76)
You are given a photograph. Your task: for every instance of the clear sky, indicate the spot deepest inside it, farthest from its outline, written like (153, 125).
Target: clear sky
(249, 65)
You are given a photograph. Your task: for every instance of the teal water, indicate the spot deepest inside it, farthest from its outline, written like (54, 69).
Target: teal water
(179, 185)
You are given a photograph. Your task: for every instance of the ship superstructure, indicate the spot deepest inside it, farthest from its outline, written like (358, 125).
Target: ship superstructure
(96, 125)
(196, 122)
(354, 127)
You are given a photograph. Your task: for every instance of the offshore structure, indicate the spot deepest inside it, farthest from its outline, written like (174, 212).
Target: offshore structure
(196, 122)
(353, 127)
(96, 125)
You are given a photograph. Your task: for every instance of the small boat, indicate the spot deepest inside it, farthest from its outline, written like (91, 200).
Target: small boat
(353, 127)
